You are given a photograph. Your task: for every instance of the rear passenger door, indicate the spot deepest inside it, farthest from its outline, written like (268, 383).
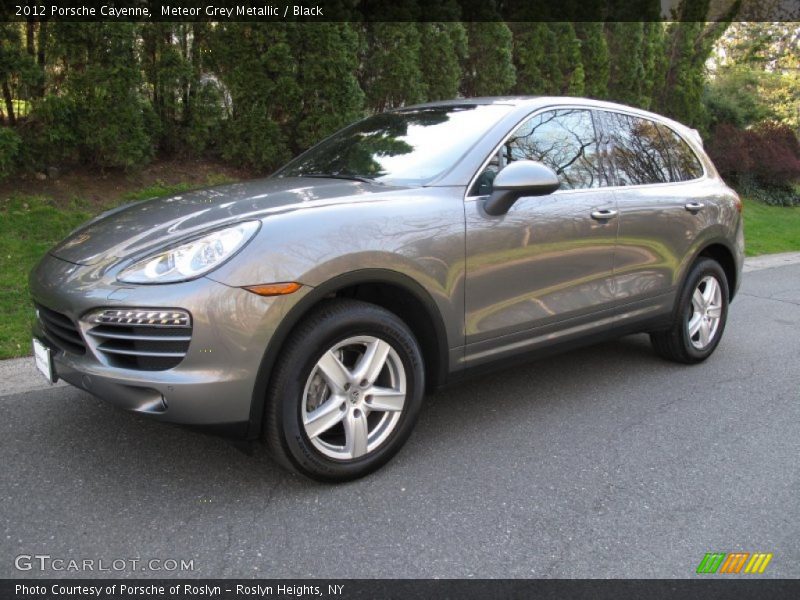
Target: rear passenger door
(657, 179)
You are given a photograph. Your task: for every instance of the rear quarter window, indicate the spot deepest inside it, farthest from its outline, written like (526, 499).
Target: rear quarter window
(682, 162)
(641, 152)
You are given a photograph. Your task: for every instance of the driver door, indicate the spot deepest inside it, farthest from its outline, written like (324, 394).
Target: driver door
(549, 259)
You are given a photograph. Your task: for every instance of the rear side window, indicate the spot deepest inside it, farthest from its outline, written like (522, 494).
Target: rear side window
(640, 151)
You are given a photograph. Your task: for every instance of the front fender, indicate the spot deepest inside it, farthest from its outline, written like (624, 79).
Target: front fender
(416, 233)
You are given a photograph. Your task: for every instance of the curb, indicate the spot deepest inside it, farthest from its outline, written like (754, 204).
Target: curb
(19, 375)
(770, 261)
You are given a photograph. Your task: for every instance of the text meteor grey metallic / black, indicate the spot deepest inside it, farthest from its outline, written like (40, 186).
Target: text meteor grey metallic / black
(314, 308)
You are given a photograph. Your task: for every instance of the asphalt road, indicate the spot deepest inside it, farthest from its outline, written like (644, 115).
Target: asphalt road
(604, 462)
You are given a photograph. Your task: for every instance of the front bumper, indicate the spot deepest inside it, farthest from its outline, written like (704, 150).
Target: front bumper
(213, 384)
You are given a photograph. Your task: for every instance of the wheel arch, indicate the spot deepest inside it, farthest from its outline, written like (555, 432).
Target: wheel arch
(391, 290)
(720, 250)
(721, 253)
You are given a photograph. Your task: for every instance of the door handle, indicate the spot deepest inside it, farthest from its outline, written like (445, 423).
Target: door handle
(604, 215)
(694, 207)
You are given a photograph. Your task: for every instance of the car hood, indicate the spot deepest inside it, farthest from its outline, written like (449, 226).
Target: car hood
(150, 224)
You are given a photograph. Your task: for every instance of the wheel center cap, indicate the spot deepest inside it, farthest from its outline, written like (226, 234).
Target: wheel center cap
(355, 395)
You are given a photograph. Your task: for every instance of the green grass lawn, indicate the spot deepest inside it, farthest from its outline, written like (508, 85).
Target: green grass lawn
(770, 229)
(29, 225)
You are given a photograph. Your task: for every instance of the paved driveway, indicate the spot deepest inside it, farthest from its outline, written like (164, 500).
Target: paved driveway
(604, 462)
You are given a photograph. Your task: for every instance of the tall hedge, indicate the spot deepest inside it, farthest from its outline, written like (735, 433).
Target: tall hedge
(443, 48)
(595, 58)
(329, 95)
(532, 45)
(255, 62)
(489, 66)
(114, 94)
(99, 116)
(391, 74)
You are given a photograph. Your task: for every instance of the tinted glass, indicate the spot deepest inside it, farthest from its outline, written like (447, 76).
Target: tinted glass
(641, 151)
(564, 140)
(682, 162)
(635, 149)
(409, 147)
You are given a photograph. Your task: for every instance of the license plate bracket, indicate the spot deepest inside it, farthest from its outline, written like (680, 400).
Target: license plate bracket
(44, 360)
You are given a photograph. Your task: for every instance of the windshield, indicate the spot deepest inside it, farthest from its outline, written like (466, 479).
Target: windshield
(405, 147)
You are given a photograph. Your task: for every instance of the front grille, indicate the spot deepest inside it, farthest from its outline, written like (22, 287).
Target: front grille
(140, 339)
(60, 330)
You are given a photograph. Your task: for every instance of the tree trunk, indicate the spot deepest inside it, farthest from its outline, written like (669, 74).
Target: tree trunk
(30, 30)
(12, 120)
(41, 46)
(185, 77)
(194, 60)
(42, 43)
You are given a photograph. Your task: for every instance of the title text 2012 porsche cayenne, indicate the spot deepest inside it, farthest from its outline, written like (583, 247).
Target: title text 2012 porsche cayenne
(315, 307)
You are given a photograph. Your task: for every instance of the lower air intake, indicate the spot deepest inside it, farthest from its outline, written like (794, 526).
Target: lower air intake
(148, 340)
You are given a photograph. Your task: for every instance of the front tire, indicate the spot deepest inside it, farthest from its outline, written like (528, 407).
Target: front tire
(345, 393)
(700, 318)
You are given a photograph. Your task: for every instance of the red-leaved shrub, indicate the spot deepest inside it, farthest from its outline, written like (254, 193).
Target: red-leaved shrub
(767, 155)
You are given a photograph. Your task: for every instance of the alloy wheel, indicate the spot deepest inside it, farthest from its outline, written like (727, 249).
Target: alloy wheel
(704, 321)
(354, 397)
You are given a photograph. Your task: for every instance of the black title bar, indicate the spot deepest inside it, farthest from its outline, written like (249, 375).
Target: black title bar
(400, 10)
(400, 589)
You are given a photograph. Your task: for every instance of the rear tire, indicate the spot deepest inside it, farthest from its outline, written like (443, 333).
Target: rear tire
(700, 316)
(345, 392)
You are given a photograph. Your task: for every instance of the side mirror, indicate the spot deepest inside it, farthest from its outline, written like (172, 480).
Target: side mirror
(520, 178)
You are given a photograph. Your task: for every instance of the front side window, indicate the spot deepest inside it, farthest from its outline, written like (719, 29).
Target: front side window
(404, 147)
(562, 139)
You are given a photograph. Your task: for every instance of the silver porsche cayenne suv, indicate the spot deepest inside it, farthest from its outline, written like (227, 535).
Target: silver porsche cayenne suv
(314, 308)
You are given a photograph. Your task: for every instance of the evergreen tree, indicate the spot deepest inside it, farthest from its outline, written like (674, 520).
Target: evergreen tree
(626, 73)
(167, 72)
(98, 116)
(255, 62)
(329, 94)
(443, 47)
(547, 57)
(259, 92)
(681, 97)
(653, 63)
(390, 72)
(206, 98)
(533, 41)
(595, 58)
(489, 67)
(567, 67)
(392, 75)
(689, 44)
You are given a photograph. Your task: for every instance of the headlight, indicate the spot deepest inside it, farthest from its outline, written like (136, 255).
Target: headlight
(193, 258)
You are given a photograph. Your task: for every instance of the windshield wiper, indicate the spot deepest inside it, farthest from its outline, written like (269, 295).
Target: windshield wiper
(340, 176)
